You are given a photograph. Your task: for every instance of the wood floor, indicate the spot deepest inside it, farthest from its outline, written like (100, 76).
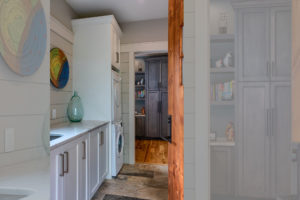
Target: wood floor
(151, 151)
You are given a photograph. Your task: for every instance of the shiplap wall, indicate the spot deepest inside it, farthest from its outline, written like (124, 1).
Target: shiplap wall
(125, 102)
(24, 106)
(189, 98)
(61, 97)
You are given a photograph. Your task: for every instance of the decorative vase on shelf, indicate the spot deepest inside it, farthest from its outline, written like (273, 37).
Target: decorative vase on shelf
(75, 108)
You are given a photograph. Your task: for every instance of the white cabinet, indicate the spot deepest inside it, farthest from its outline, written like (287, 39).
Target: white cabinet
(281, 44)
(253, 139)
(103, 152)
(115, 48)
(78, 168)
(281, 138)
(263, 47)
(98, 159)
(68, 172)
(93, 162)
(253, 44)
(222, 170)
(83, 168)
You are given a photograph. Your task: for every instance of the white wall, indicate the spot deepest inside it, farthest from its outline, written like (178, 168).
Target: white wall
(24, 106)
(59, 98)
(145, 31)
(63, 12)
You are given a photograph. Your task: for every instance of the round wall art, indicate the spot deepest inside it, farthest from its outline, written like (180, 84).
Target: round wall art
(23, 35)
(59, 68)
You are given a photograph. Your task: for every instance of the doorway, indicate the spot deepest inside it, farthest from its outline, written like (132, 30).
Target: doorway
(151, 108)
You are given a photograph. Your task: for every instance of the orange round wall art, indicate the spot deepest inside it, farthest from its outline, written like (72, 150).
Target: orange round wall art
(59, 68)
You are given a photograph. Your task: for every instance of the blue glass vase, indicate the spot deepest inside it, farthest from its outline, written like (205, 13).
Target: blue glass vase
(75, 109)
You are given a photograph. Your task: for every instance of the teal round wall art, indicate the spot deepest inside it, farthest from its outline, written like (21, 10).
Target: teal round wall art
(23, 35)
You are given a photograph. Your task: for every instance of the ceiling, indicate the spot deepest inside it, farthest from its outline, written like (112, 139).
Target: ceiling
(124, 10)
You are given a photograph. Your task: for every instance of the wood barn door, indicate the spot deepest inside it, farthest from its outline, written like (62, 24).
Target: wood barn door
(175, 101)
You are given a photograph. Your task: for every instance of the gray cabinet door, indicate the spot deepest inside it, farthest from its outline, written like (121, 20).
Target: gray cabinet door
(253, 57)
(281, 43)
(222, 179)
(281, 138)
(153, 114)
(153, 74)
(253, 139)
(164, 131)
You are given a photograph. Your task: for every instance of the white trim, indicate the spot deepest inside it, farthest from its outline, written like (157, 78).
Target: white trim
(57, 27)
(160, 46)
(202, 105)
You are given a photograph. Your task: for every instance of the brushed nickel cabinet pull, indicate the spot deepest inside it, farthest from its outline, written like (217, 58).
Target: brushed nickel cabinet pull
(62, 156)
(67, 163)
(84, 150)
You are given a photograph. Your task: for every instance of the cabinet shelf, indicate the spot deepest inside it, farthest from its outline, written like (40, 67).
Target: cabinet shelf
(222, 70)
(222, 38)
(222, 103)
(139, 86)
(140, 99)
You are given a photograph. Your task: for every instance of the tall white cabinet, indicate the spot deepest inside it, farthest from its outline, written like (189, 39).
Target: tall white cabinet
(263, 64)
(96, 52)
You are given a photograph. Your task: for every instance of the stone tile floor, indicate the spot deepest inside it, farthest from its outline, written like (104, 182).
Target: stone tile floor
(143, 187)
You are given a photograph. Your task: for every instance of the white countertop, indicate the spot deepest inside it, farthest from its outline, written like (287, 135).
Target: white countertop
(33, 176)
(71, 131)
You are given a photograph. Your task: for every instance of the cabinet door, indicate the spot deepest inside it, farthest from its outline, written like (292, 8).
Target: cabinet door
(103, 154)
(57, 175)
(153, 114)
(253, 139)
(70, 175)
(253, 44)
(164, 74)
(164, 132)
(281, 138)
(222, 171)
(140, 130)
(93, 162)
(281, 45)
(82, 168)
(153, 74)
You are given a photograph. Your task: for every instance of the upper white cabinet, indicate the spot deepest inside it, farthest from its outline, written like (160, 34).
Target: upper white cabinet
(281, 44)
(96, 51)
(115, 50)
(263, 48)
(253, 44)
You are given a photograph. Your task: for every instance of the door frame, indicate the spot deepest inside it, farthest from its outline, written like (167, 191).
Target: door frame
(131, 49)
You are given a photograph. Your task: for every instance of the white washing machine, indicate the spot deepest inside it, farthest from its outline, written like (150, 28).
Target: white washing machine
(117, 148)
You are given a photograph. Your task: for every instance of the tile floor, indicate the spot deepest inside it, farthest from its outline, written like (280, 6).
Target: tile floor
(138, 185)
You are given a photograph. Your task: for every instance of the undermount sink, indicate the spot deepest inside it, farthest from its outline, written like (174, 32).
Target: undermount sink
(14, 194)
(54, 137)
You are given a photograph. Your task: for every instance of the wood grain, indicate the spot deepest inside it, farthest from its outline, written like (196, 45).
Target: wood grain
(296, 71)
(151, 151)
(176, 100)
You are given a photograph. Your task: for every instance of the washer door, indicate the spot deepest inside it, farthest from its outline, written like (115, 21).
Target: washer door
(120, 144)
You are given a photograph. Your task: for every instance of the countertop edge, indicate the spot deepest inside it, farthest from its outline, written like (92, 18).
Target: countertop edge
(68, 140)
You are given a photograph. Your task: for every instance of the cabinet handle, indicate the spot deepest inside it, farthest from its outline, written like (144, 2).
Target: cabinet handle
(101, 138)
(84, 150)
(117, 57)
(62, 172)
(67, 163)
(267, 123)
(268, 68)
(272, 121)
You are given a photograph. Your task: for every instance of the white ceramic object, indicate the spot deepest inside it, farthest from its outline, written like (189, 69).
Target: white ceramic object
(228, 60)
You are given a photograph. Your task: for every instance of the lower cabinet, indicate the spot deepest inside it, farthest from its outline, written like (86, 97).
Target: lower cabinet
(222, 163)
(79, 167)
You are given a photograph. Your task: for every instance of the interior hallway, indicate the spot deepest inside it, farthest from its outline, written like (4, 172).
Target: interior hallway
(139, 181)
(151, 151)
